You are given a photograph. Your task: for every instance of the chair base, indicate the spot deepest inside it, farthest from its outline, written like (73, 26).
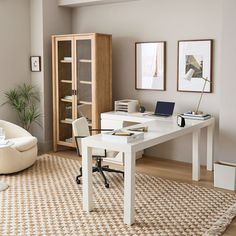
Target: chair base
(99, 168)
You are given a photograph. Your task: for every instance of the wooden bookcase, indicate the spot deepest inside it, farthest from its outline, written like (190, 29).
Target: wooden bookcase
(82, 82)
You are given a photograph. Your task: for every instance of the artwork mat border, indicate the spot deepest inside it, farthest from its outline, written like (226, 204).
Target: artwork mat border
(164, 64)
(211, 64)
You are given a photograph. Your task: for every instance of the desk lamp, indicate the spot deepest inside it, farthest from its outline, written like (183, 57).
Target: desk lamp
(188, 76)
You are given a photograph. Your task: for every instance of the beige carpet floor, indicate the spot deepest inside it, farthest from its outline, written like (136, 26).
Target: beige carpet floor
(45, 200)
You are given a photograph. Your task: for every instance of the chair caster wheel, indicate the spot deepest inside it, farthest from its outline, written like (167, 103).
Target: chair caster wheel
(77, 180)
(107, 185)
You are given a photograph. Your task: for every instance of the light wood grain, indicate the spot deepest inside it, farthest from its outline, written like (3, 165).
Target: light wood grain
(66, 78)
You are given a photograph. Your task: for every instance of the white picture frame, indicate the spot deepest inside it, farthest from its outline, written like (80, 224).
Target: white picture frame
(150, 66)
(35, 63)
(196, 55)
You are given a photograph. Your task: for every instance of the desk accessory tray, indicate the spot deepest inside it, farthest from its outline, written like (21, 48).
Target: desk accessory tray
(123, 136)
(126, 105)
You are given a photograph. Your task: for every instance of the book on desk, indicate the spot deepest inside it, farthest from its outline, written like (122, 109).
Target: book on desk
(189, 115)
(123, 136)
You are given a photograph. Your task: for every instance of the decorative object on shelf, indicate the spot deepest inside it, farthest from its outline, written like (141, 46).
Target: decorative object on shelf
(142, 109)
(188, 77)
(35, 63)
(68, 59)
(150, 65)
(126, 105)
(25, 101)
(195, 55)
(180, 121)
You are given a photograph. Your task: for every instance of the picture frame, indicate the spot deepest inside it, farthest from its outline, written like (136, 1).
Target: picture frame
(196, 55)
(35, 63)
(150, 65)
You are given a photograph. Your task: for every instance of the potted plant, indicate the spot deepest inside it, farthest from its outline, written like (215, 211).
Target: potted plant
(24, 100)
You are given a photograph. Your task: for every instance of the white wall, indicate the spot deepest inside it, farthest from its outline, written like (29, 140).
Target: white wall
(37, 78)
(14, 48)
(228, 83)
(46, 19)
(56, 20)
(150, 20)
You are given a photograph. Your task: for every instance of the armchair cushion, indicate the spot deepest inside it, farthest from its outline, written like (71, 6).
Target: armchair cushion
(24, 143)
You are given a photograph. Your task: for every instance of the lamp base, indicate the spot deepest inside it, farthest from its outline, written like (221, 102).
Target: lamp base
(196, 112)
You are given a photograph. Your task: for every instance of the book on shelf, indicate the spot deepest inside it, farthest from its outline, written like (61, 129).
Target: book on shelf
(68, 97)
(67, 58)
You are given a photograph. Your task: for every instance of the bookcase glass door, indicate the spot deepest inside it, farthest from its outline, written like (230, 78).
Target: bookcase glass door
(84, 78)
(65, 90)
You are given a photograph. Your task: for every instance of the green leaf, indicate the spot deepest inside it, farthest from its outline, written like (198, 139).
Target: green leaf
(24, 100)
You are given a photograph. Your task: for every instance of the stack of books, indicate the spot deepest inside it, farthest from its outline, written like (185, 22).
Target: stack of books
(123, 136)
(190, 115)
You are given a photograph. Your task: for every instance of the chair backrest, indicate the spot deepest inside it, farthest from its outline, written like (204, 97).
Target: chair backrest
(80, 128)
(12, 130)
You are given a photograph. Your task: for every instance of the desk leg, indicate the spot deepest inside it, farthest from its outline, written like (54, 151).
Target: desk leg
(196, 158)
(129, 188)
(210, 135)
(87, 178)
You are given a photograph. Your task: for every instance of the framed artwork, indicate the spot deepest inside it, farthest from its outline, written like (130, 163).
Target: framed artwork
(150, 65)
(35, 63)
(197, 56)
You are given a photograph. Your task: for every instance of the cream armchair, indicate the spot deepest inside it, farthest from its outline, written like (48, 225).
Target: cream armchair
(23, 151)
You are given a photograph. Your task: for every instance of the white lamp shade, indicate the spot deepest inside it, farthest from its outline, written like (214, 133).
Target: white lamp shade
(189, 74)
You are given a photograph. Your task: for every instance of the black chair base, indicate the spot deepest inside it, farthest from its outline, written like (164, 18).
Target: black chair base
(99, 168)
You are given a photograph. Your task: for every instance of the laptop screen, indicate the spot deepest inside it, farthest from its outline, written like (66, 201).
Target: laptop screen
(165, 108)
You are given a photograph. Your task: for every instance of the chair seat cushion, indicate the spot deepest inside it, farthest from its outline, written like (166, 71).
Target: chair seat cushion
(101, 152)
(23, 143)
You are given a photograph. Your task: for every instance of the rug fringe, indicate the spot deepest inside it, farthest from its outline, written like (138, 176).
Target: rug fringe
(221, 225)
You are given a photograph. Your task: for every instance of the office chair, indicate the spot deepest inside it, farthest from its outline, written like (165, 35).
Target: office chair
(81, 130)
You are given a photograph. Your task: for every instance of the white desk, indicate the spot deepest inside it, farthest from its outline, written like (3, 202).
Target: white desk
(118, 120)
(159, 130)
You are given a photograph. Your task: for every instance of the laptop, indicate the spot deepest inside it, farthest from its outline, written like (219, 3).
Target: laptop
(164, 109)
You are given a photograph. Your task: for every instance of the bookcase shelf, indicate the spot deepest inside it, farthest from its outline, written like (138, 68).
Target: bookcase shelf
(85, 82)
(66, 81)
(85, 61)
(65, 61)
(67, 121)
(81, 70)
(66, 100)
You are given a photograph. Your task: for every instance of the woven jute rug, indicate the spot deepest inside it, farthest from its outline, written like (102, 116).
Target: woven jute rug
(45, 200)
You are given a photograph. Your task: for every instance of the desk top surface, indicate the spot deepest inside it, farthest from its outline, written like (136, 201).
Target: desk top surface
(160, 129)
